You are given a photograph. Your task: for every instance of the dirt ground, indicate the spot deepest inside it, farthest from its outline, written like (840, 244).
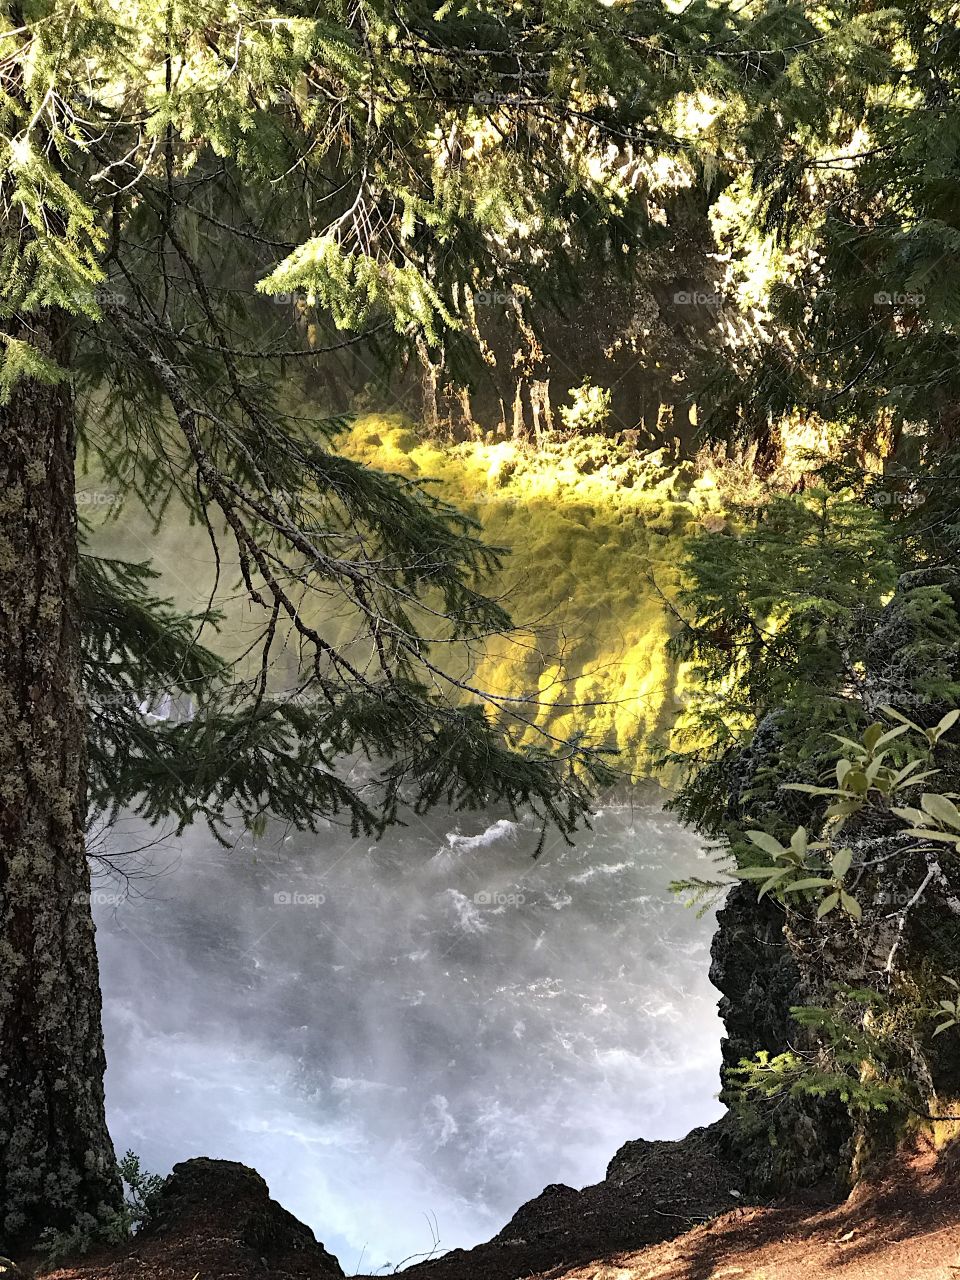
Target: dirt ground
(903, 1226)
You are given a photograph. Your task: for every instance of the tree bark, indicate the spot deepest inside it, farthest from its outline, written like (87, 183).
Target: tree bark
(56, 1157)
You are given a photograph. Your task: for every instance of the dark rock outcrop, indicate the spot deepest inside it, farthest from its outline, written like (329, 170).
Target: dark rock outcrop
(238, 1200)
(802, 1142)
(653, 1191)
(756, 975)
(215, 1219)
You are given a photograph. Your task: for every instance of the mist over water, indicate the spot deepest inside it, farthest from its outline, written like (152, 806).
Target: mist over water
(414, 1035)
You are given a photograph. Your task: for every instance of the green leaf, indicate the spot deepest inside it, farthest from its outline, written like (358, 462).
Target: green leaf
(841, 863)
(891, 734)
(763, 840)
(919, 777)
(843, 808)
(915, 816)
(872, 770)
(872, 735)
(810, 882)
(851, 905)
(896, 715)
(941, 808)
(928, 833)
(827, 905)
(771, 883)
(907, 769)
(753, 873)
(948, 721)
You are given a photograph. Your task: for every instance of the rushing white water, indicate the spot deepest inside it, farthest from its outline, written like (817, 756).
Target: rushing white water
(414, 1035)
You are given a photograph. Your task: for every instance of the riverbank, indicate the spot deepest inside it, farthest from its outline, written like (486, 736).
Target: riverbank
(217, 1222)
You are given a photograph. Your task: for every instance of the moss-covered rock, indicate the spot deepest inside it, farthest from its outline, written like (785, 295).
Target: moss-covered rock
(596, 533)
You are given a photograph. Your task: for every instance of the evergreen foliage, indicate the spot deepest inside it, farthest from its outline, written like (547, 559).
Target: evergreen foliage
(845, 170)
(166, 167)
(776, 619)
(872, 1046)
(851, 1059)
(828, 665)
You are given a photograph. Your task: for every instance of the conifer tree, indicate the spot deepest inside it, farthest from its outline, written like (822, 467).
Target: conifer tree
(845, 171)
(165, 169)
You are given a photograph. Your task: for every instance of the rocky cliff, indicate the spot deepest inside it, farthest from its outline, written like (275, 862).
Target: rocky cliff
(801, 1143)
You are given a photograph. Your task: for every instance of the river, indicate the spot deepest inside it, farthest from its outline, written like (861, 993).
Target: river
(408, 1038)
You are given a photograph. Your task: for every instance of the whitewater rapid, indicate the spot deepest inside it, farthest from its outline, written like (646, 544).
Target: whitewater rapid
(408, 1039)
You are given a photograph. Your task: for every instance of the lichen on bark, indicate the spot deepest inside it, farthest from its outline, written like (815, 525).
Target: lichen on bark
(56, 1158)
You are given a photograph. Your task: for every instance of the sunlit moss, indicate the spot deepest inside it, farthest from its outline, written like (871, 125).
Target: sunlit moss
(596, 536)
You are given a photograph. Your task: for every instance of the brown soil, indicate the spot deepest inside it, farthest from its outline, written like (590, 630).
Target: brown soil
(904, 1225)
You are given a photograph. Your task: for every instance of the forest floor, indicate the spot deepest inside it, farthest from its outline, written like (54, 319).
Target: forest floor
(903, 1224)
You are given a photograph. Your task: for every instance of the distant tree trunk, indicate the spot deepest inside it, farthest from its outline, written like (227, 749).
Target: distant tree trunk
(56, 1158)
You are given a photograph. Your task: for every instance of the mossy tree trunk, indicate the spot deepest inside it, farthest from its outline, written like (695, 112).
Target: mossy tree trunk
(56, 1158)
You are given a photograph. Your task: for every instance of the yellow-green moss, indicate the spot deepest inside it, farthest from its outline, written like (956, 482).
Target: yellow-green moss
(595, 536)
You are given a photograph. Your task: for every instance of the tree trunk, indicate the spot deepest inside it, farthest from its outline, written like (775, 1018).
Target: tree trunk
(56, 1158)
